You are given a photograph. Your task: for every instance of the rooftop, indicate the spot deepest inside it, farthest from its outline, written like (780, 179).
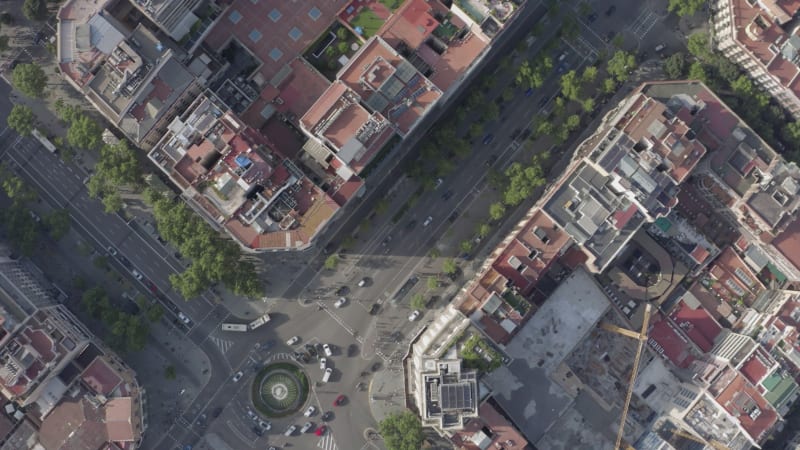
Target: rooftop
(274, 32)
(697, 324)
(523, 388)
(389, 84)
(587, 206)
(263, 200)
(743, 401)
(451, 394)
(490, 430)
(666, 341)
(731, 279)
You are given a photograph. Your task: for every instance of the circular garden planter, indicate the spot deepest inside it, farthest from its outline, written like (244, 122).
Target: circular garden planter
(280, 389)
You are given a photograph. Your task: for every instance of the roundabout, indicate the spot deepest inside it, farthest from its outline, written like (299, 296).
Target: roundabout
(279, 389)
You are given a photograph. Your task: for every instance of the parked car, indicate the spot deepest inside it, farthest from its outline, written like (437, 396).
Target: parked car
(339, 303)
(321, 430)
(217, 411)
(363, 282)
(137, 275)
(293, 340)
(428, 221)
(112, 251)
(238, 376)
(265, 424)
(310, 411)
(323, 363)
(306, 426)
(374, 309)
(339, 400)
(413, 316)
(258, 431)
(327, 349)
(488, 139)
(326, 416)
(290, 431)
(327, 375)
(184, 318)
(660, 47)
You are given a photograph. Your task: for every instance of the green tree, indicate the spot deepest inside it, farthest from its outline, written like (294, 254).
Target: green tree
(675, 66)
(523, 180)
(16, 189)
(573, 122)
(6, 18)
(483, 230)
(3, 41)
(545, 128)
(21, 120)
(743, 86)
(29, 79)
(402, 431)
(169, 372)
(331, 262)
(475, 130)
(685, 7)
(609, 85)
(699, 45)
(342, 34)
(588, 105)
(101, 262)
(571, 85)
(466, 246)
(508, 94)
(449, 266)
(496, 211)
(95, 301)
(22, 231)
(697, 71)
(112, 202)
(417, 301)
(433, 283)
(154, 312)
(34, 9)
(491, 112)
(589, 74)
(57, 223)
(620, 65)
(85, 133)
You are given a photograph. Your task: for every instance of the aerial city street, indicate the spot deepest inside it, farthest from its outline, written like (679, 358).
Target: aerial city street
(399, 224)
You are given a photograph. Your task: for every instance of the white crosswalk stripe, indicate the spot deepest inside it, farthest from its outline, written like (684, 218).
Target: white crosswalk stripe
(223, 344)
(327, 442)
(280, 356)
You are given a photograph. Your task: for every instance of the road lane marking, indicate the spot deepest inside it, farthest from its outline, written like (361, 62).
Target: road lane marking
(327, 442)
(223, 344)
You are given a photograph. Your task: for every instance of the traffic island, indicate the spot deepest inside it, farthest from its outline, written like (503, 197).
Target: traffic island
(279, 390)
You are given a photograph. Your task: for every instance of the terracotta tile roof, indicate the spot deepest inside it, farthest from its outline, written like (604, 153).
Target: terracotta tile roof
(412, 24)
(501, 431)
(697, 324)
(734, 278)
(73, 425)
(118, 420)
(666, 341)
(455, 61)
(745, 403)
(101, 377)
(756, 366)
(788, 242)
(42, 343)
(322, 106)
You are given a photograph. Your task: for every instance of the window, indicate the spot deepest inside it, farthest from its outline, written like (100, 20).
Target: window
(275, 15)
(275, 54)
(295, 34)
(743, 276)
(315, 13)
(235, 16)
(254, 35)
(735, 288)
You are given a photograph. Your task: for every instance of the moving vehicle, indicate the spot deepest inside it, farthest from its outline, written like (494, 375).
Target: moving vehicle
(137, 275)
(237, 376)
(339, 303)
(363, 282)
(438, 183)
(234, 327)
(660, 47)
(293, 340)
(112, 251)
(259, 321)
(339, 400)
(428, 221)
(488, 139)
(413, 316)
(184, 318)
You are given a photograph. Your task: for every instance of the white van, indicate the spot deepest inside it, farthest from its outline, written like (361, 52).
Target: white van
(327, 375)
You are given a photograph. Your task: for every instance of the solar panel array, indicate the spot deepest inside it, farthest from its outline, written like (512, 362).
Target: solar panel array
(456, 396)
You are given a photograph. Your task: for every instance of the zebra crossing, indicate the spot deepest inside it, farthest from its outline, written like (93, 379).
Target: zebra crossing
(327, 442)
(280, 356)
(223, 344)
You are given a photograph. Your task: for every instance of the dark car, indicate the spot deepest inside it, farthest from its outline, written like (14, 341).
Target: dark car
(374, 309)
(591, 17)
(488, 139)
(529, 92)
(217, 411)
(447, 195)
(258, 431)
(311, 350)
(611, 10)
(327, 416)
(411, 225)
(491, 160)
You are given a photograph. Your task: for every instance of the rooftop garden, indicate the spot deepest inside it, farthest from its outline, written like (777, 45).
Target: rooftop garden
(478, 354)
(367, 23)
(324, 54)
(517, 302)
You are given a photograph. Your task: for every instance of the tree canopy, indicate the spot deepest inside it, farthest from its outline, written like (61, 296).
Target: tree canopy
(21, 120)
(402, 431)
(685, 7)
(30, 79)
(675, 66)
(34, 9)
(84, 133)
(620, 65)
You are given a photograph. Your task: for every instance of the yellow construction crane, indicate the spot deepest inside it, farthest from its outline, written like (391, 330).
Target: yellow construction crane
(642, 338)
(682, 433)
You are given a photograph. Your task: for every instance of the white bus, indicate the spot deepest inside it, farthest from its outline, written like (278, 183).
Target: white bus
(258, 322)
(234, 327)
(44, 141)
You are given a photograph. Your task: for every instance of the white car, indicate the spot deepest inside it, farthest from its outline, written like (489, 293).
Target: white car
(237, 376)
(290, 431)
(293, 340)
(265, 424)
(339, 303)
(413, 316)
(137, 275)
(327, 349)
(438, 183)
(323, 363)
(184, 318)
(327, 375)
(310, 411)
(112, 251)
(427, 221)
(306, 426)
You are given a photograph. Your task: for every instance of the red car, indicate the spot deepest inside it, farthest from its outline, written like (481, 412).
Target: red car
(339, 400)
(321, 430)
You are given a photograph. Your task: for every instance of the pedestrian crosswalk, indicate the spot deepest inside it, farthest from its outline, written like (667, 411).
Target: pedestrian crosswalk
(327, 442)
(280, 356)
(223, 344)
